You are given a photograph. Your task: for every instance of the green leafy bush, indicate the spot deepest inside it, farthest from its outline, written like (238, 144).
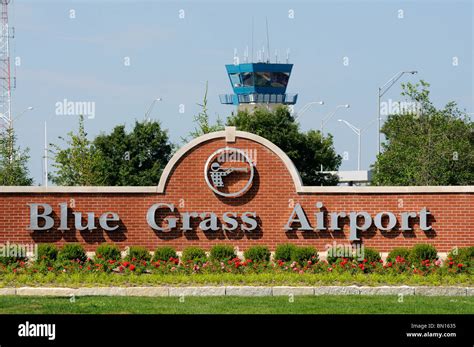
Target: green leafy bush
(257, 254)
(194, 254)
(222, 252)
(139, 253)
(335, 253)
(422, 252)
(47, 252)
(164, 253)
(72, 251)
(401, 252)
(12, 253)
(464, 255)
(372, 255)
(304, 254)
(285, 252)
(108, 252)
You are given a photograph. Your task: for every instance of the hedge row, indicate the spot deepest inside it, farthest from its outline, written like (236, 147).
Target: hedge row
(284, 253)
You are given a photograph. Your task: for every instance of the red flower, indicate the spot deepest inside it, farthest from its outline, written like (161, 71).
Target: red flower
(126, 263)
(132, 267)
(460, 265)
(121, 268)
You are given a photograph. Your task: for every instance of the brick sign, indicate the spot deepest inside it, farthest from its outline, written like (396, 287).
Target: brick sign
(237, 188)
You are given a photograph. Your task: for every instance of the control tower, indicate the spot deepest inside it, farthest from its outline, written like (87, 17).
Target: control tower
(258, 85)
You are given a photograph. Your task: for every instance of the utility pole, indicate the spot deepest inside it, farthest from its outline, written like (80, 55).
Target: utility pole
(45, 155)
(381, 92)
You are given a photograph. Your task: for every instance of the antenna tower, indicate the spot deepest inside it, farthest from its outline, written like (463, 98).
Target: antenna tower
(5, 73)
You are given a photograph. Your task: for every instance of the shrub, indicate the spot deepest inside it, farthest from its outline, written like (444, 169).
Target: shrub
(372, 255)
(139, 253)
(334, 253)
(257, 254)
(285, 252)
(422, 252)
(47, 252)
(194, 254)
(304, 254)
(72, 251)
(222, 252)
(164, 253)
(12, 253)
(401, 252)
(108, 252)
(464, 255)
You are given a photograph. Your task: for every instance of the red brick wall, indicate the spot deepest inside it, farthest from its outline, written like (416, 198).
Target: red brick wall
(270, 197)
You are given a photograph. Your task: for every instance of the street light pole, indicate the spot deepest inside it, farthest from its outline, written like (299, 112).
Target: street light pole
(150, 108)
(382, 91)
(45, 155)
(306, 107)
(328, 117)
(358, 133)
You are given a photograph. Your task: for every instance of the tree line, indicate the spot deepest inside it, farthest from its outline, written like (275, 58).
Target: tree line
(432, 146)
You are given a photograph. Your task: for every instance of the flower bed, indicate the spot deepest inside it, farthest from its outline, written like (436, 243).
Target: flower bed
(196, 263)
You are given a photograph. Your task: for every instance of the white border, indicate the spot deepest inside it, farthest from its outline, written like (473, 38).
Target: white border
(247, 185)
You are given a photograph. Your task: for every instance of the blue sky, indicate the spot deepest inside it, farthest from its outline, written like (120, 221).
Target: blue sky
(82, 59)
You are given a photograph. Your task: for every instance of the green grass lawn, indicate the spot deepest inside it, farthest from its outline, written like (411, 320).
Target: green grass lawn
(286, 279)
(243, 305)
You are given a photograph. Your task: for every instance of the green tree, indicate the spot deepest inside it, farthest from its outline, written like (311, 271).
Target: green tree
(77, 164)
(13, 161)
(202, 121)
(429, 147)
(136, 158)
(308, 150)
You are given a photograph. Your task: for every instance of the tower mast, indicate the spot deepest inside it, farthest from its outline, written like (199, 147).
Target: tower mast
(5, 73)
